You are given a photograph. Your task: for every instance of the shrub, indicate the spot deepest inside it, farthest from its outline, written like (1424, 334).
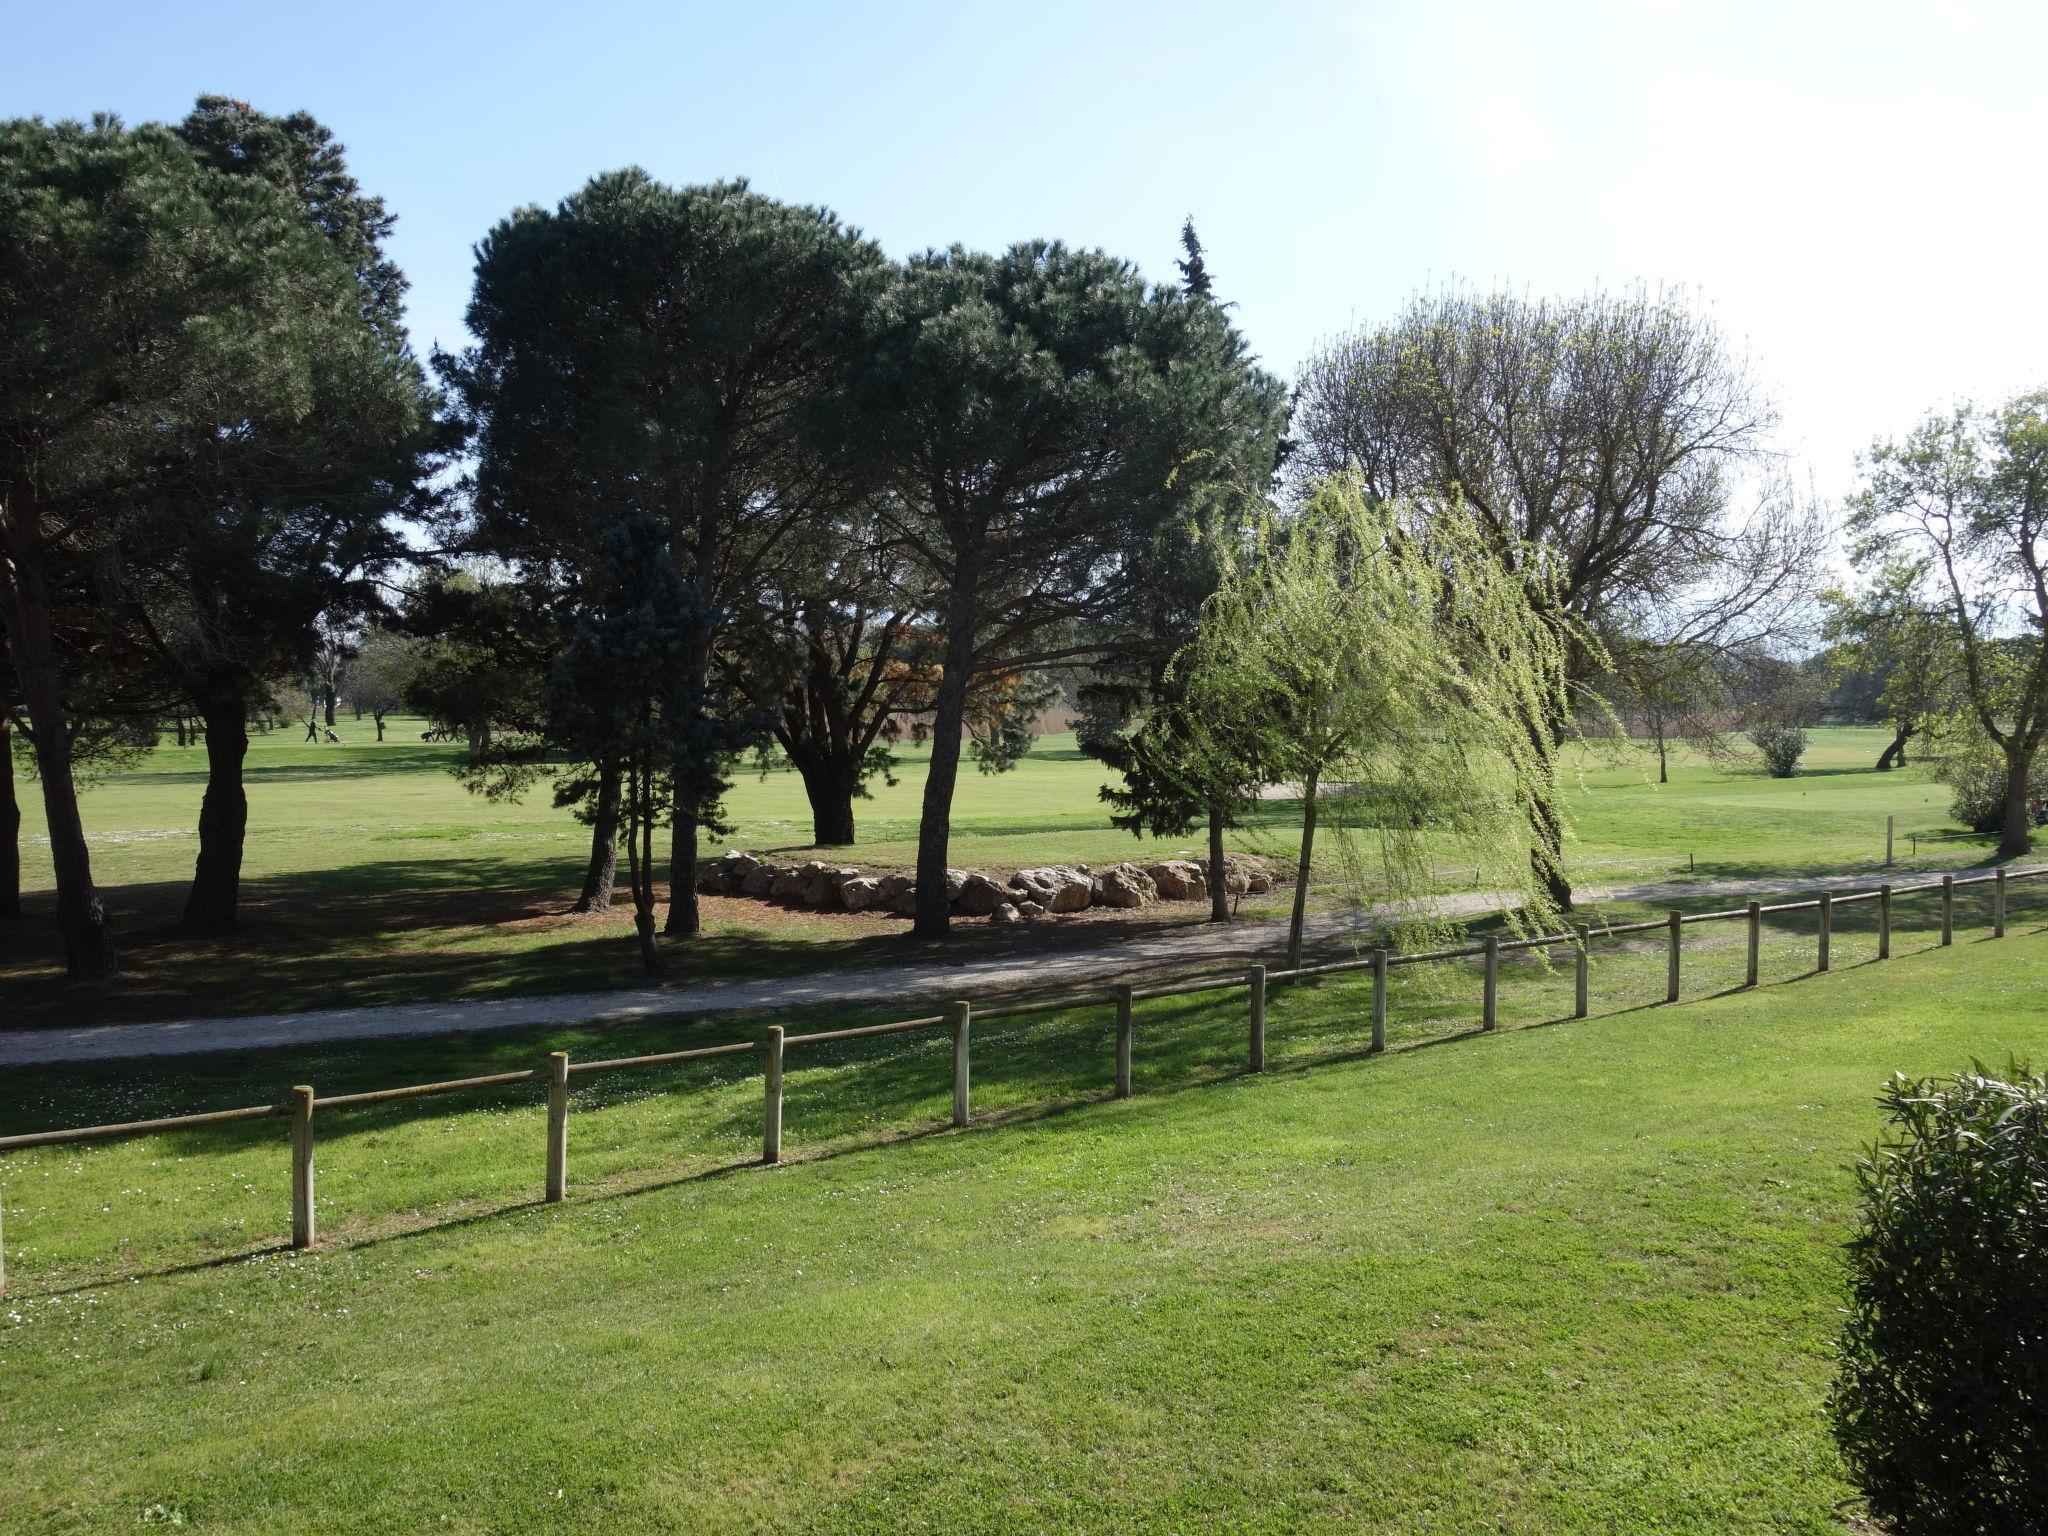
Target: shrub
(1976, 780)
(1941, 1401)
(1782, 747)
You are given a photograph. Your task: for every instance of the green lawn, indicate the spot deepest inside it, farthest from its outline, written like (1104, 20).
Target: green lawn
(372, 877)
(1576, 1276)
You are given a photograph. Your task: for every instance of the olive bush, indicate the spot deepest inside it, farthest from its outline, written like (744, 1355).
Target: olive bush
(1941, 1401)
(1782, 747)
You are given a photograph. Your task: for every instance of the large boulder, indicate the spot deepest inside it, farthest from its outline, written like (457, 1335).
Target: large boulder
(788, 885)
(822, 884)
(1055, 887)
(1246, 875)
(860, 893)
(1179, 880)
(979, 896)
(893, 886)
(760, 881)
(904, 903)
(1124, 885)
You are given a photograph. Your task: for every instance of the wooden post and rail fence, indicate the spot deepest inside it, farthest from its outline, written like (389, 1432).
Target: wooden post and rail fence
(774, 1044)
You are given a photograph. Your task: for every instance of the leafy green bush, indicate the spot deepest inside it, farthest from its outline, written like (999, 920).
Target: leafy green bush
(1782, 747)
(1941, 1402)
(1975, 776)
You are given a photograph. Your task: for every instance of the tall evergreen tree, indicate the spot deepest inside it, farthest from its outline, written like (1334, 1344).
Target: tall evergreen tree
(151, 309)
(241, 556)
(650, 351)
(1028, 412)
(1194, 271)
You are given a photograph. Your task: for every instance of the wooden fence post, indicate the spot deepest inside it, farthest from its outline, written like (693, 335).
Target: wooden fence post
(1255, 978)
(1827, 929)
(1948, 909)
(302, 1167)
(960, 1013)
(1671, 962)
(1379, 1000)
(1489, 1016)
(558, 1126)
(1756, 941)
(1887, 842)
(771, 1091)
(1582, 966)
(1123, 1042)
(1998, 905)
(1884, 921)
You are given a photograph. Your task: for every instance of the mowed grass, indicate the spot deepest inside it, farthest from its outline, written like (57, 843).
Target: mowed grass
(372, 877)
(1574, 1276)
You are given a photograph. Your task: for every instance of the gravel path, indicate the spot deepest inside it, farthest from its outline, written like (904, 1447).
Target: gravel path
(924, 982)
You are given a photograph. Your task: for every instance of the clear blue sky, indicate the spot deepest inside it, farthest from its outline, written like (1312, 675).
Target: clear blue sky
(1854, 188)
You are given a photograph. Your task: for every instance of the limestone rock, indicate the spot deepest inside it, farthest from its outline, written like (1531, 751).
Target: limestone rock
(1004, 914)
(760, 881)
(1124, 885)
(1055, 887)
(978, 896)
(860, 893)
(1179, 880)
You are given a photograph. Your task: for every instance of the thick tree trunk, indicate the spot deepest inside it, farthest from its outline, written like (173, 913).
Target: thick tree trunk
(10, 826)
(479, 742)
(216, 891)
(1308, 847)
(1663, 761)
(685, 919)
(330, 707)
(81, 917)
(831, 807)
(380, 724)
(1219, 869)
(2017, 836)
(1894, 756)
(603, 870)
(935, 823)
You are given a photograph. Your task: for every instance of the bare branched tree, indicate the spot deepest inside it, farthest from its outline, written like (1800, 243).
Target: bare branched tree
(1614, 443)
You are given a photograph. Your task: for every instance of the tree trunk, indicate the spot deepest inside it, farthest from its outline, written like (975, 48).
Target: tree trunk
(2017, 837)
(831, 807)
(178, 723)
(1894, 756)
(603, 870)
(330, 707)
(10, 826)
(479, 742)
(685, 920)
(223, 817)
(1308, 846)
(934, 827)
(81, 916)
(380, 724)
(1219, 869)
(640, 868)
(1663, 763)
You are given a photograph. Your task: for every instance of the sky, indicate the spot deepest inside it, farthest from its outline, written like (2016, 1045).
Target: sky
(1854, 191)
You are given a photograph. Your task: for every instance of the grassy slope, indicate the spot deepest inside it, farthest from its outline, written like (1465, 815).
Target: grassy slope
(1577, 1277)
(372, 877)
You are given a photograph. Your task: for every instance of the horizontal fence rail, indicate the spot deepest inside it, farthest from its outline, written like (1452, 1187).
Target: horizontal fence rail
(1258, 981)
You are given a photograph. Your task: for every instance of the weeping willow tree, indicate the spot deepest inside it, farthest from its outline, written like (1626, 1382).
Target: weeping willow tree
(1388, 662)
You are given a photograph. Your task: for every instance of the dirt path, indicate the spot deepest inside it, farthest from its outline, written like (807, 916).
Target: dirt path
(913, 984)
